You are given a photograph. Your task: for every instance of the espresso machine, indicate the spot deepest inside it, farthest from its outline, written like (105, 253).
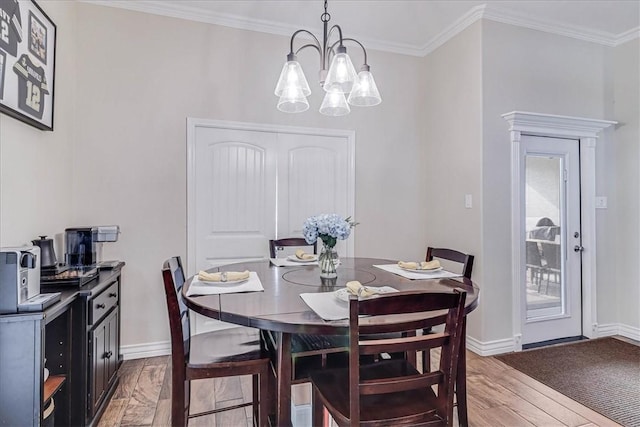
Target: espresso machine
(20, 281)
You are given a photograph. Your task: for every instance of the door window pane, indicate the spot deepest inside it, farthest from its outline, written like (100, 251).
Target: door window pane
(545, 293)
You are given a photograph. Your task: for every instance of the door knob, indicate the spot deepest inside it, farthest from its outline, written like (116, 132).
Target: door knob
(578, 248)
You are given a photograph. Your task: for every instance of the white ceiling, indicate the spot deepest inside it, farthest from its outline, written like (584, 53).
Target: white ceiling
(413, 27)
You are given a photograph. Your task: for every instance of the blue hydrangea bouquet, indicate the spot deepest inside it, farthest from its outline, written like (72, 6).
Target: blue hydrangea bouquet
(329, 228)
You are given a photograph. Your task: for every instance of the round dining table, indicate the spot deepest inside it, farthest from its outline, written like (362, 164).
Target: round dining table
(280, 310)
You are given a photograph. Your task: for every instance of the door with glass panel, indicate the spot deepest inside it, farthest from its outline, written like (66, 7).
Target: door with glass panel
(551, 302)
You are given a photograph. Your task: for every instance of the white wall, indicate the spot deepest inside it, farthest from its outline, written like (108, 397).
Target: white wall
(126, 81)
(528, 70)
(451, 152)
(137, 86)
(625, 193)
(36, 166)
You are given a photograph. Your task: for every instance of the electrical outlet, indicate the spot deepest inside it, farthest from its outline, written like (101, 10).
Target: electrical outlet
(601, 202)
(468, 201)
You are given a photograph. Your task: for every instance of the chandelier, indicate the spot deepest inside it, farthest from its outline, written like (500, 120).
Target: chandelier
(341, 83)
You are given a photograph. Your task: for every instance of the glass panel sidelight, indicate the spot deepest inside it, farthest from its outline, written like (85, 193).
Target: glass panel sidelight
(544, 211)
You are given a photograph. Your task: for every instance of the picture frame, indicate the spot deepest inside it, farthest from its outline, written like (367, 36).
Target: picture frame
(27, 63)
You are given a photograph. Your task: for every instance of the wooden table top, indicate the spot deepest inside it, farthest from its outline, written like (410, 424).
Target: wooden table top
(280, 308)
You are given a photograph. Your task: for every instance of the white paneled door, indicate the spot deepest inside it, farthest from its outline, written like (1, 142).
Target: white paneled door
(551, 297)
(251, 183)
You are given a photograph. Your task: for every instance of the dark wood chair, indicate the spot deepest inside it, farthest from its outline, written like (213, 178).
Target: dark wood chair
(275, 245)
(309, 352)
(231, 352)
(454, 256)
(393, 392)
(466, 262)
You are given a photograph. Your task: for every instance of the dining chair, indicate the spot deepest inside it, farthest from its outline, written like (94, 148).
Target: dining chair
(280, 244)
(393, 392)
(230, 352)
(452, 255)
(309, 352)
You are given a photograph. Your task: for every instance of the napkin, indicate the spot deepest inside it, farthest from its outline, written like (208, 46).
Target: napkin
(224, 276)
(300, 254)
(356, 288)
(424, 265)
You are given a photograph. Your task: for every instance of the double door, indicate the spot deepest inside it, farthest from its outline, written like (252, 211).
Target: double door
(251, 183)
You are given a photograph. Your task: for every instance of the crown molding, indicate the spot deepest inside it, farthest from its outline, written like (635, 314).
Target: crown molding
(627, 36)
(459, 25)
(171, 9)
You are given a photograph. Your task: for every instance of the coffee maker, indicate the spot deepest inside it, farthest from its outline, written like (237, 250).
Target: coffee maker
(81, 246)
(19, 276)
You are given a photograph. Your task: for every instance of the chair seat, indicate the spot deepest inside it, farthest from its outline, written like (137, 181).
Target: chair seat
(388, 409)
(229, 345)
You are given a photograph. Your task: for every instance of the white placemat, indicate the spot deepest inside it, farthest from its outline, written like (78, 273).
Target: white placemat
(440, 274)
(198, 287)
(329, 307)
(283, 262)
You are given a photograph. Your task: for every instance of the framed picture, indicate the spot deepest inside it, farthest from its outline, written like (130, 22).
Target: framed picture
(27, 63)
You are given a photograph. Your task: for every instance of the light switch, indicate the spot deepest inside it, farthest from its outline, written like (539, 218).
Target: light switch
(468, 201)
(601, 202)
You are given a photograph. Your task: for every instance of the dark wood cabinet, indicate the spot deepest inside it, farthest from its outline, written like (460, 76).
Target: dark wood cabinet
(78, 340)
(105, 344)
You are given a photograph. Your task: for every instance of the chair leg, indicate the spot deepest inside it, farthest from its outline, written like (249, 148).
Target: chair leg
(179, 404)
(263, 382)
(255, 384)
(461, 378)
(317, 409)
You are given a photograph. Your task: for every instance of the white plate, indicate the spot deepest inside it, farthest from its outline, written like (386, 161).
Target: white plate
(296, 259)
(228, 282)
(343, 294)
(433, 270)
(46, 374)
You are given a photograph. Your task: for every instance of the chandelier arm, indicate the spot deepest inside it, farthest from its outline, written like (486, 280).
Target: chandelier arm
(318, 46)
(339, 35)
(364, 51)
(313, 46)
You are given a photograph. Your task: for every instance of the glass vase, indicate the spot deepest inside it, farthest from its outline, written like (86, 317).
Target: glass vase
(327, 261)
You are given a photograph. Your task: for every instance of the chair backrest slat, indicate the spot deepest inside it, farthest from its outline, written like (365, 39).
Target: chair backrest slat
(452, 255)
(393, 385)
(290, 241)
(412, 343)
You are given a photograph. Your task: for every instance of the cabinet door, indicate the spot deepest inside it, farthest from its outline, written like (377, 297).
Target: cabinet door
(98, 364)
(113, 346)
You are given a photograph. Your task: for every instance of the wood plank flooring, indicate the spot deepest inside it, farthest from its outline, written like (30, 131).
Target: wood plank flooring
(498, 395)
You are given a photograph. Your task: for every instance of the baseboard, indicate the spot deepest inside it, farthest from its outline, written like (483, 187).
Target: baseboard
(490, 348)
(140, 351)
(619, 329)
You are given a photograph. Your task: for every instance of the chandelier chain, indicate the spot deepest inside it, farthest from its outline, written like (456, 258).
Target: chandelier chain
(326, 16)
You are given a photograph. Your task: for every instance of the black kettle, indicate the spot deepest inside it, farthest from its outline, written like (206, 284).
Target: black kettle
(47, 254)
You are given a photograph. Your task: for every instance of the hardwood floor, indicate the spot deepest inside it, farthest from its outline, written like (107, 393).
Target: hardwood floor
(498, 395)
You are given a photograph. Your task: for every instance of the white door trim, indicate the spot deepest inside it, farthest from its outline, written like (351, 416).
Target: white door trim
(193, 123)
(586, 132)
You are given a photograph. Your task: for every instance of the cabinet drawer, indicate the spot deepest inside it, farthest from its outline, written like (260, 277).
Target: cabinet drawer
(103, 303)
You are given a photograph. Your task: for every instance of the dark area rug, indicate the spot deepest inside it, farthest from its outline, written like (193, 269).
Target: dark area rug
(602, 374)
